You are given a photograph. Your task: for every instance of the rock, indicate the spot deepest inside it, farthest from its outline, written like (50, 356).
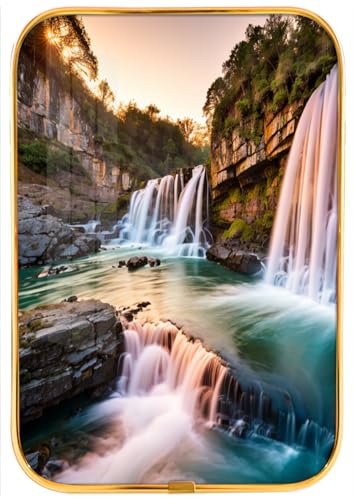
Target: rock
(72, 298)
(73, 348)
(154, 262)
(218, 253)
(70, 251)
(143, 304)
(129, 316)
(136, 262)
(236, 260)
(38, 459)
(56, 466)
(122, 263)
(245, 263)
(44, 238)
(33, 460)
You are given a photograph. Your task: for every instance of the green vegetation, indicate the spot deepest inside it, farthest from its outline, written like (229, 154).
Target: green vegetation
(275, 65)
(235, 230)
(48, 157)
(235, 195)
(258, 231)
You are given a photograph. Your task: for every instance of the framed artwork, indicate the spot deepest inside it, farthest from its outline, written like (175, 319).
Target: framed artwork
(177, 235)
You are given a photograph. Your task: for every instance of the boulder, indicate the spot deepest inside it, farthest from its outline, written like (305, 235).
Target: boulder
(154, 262)
(218, 253)
(137, 262)
(234, 259)
(66, 349)
(44, 238)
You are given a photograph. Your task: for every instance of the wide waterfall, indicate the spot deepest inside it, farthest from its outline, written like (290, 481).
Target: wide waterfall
(303, 251)
(170, 214)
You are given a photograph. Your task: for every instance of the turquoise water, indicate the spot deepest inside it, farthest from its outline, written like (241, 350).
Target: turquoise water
(275, 339)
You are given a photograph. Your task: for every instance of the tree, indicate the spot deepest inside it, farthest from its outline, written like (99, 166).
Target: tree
(68, 34)
(274, 65)
(187, 127)
(152, 111)
(214, 95)
(106, 95)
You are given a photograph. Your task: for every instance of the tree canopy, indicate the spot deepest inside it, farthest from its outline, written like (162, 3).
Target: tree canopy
(274, 65)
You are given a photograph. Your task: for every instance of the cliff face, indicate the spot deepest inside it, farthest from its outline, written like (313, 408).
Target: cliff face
(246, 177)
(51, 112)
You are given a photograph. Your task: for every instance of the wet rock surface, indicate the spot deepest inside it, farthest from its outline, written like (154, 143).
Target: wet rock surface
(234, 259)
(66, 349)
(43, 238)
(139, 261)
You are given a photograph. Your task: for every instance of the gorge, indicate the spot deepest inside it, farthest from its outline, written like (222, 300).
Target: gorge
(179, 368)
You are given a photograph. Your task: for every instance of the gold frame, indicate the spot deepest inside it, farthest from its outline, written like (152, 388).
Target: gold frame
(183, 486)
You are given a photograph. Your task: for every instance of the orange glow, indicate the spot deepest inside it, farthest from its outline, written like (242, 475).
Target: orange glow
(169, 60)
(52, 37)
(66, 53)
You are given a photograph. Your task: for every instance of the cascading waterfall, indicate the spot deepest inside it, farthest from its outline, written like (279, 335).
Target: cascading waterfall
(162, 354)
(170, 214)
(303, 251)
(168, 385)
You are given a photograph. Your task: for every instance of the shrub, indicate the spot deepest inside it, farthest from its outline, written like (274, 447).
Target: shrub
(244, 106)
(48, 157)
(236, 229)
(280, 99)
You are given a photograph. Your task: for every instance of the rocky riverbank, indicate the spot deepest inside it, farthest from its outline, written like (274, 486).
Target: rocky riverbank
(66, 349)
(43, 238)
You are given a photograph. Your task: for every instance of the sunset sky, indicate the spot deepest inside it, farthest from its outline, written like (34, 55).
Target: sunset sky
(167, 60)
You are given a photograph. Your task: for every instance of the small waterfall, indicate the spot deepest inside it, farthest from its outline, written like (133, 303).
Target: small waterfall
(160, 354)
(90, 227)
(303, 251)
(170, 214)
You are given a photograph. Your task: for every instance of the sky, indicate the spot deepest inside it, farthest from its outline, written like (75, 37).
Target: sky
(167, 60)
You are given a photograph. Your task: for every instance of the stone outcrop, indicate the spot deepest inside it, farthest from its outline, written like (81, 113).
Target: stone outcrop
(242, 160)
(43, 238)
(65, 350)
(238, 261)
(246, 178)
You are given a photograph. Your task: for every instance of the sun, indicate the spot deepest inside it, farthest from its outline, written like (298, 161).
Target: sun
(52, 38)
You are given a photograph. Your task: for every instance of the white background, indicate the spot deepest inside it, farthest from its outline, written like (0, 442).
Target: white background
(339, 482)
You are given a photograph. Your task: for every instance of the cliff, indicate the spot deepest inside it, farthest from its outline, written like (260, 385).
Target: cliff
(245, 178)
(52, 124)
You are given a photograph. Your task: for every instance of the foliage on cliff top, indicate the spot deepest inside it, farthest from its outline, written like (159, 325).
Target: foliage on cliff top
(138, 141)
(276, 64)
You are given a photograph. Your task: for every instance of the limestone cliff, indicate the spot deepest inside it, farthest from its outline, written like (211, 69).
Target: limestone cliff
(51, 111)
(245, 178)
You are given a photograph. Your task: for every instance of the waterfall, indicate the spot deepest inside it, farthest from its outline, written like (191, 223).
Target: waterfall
(170, 214)
(160, 354)
(303, 250)
(159, 358)
(170, 386)
(88, 228)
